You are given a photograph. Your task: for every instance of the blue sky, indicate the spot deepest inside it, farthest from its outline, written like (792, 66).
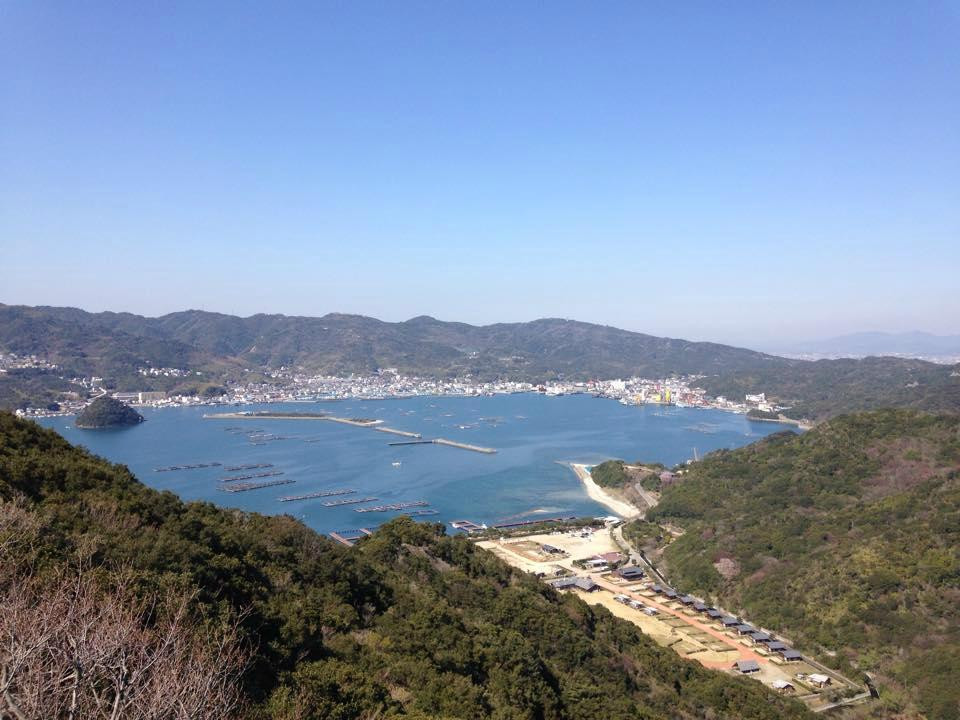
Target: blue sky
(751, 174)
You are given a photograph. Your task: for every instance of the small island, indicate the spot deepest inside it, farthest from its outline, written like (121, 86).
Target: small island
(106, 412)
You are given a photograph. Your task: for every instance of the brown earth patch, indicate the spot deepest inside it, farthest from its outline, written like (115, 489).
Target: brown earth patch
(905, 463)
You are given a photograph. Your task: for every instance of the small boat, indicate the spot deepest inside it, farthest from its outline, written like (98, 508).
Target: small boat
(397, 464)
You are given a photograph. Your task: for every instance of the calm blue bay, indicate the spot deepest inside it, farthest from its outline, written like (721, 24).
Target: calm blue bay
(522, 481)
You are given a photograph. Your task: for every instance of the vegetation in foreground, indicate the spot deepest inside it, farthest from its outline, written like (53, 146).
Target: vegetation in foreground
(408, 623)
(845, 538)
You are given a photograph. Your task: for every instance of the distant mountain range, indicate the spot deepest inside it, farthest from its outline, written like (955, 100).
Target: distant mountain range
(907, 344)
(225, 348)
(108, 343)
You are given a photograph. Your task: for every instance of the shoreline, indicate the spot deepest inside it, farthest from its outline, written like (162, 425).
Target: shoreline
(783, 420)
(598, 494)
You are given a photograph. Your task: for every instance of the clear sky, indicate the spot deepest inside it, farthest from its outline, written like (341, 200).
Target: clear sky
(749, 173)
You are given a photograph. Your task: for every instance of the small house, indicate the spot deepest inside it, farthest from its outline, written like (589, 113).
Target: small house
(783, 687)
(729, 621)
(631, 572)
(790, 655)
(747, 666)
(819, 679)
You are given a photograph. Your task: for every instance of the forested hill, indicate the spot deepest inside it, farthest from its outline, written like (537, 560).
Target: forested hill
(222, 347)
(845, 538)
(110, 589)
(338, 344)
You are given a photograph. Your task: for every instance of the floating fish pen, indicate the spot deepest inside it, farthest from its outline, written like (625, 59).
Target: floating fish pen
(349, 537)
(318, 494)
(254, 476)
(392, 506)
(468, 526)
(351, 501)
(197, 466)
(252, 466)
(534, 522)
(422, 513)
(245, 486)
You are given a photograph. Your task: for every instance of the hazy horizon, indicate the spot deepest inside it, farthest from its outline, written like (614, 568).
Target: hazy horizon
(754, 176)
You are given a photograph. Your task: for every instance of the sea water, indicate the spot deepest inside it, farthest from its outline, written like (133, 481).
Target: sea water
(525, 480)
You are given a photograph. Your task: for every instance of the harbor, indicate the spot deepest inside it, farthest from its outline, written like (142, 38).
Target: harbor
(375, 424)
(521, 482)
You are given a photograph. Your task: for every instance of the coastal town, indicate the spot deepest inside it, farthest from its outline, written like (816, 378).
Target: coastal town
(286, 385)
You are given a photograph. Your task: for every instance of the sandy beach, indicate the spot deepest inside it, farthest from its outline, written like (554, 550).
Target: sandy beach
(620, 507)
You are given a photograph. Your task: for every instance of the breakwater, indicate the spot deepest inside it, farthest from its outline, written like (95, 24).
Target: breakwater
(464, 446)
(398, 432)
(416, 438)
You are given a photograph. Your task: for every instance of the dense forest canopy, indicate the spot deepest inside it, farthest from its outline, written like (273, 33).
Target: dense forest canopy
(846, 538)
(410, 622)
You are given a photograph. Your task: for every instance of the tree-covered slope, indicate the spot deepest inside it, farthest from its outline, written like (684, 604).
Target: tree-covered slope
(338, 343)
(408, 623)
(825, 388)
(107, 412)
(845, 538)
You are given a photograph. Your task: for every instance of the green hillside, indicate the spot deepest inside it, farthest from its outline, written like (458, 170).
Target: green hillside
(845, 538)
(408, 623)
(826, 388)
(106, 412)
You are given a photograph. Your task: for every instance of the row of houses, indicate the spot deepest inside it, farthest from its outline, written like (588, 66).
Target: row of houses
(731, 623)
